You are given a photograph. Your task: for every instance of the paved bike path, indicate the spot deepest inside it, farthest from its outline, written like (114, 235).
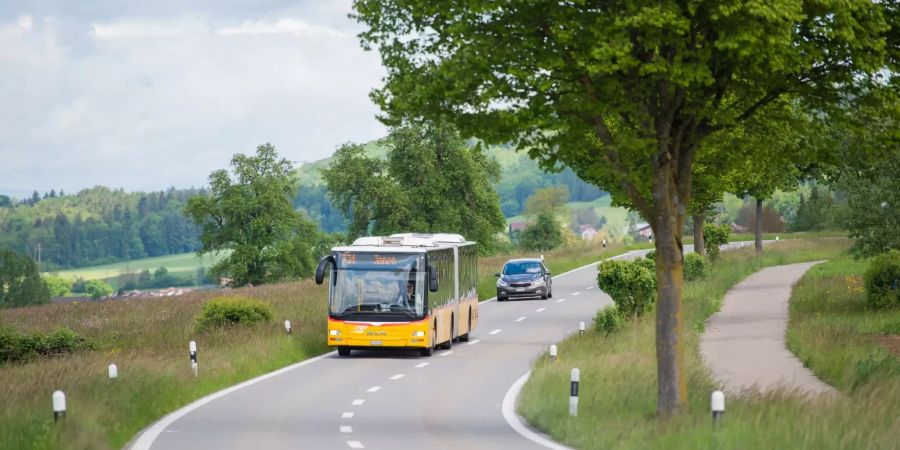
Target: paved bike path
(744, 343)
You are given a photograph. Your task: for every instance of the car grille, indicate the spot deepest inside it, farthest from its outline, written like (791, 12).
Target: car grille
(520, 284)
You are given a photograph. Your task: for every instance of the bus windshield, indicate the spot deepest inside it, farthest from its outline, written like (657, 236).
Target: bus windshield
(386, 285)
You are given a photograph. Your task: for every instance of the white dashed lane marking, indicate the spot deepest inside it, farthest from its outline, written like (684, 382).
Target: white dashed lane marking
(540, 309)
(398, 376)
(474, 342)
(374, 389)
(589, 288)
(447, 353)
(576, 293)
(357, 402)
(560, 300)
(519, 319)
(495, 331)
(346, 429)
(421, 365)
(355, 444)
(347, 415)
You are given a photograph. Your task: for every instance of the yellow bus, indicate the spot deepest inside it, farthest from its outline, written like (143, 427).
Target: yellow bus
(403, 291)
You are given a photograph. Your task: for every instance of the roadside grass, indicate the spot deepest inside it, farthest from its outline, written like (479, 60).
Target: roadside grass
(833, 332)
(618, 384)
(147, 339)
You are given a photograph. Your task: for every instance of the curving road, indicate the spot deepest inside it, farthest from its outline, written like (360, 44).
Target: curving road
(383, 400)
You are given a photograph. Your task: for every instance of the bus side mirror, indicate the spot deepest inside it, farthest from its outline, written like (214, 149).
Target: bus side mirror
(323, 265)
(432, 279)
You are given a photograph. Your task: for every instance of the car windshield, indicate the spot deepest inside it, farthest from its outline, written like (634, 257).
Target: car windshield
(388, 285)
(522, 267)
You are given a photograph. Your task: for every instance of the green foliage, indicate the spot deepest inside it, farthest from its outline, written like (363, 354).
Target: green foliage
(873, 214)
(882, 280)
(97, 289)
(431, 181)
(226, 311)
(715, 236)
(20, 282)
(59, 287)
(695, 267)
(608, 320)
(631, 285)
(815, 213)
(544, 234)
(547, 200)
(252, 215)
(18, 347)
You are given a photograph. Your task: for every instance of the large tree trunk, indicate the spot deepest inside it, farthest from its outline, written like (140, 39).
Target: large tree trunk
(699, 246)
(669, 280)
(758, 227)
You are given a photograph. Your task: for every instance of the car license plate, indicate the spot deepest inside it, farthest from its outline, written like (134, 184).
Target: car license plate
(520, 289)
(375, 342)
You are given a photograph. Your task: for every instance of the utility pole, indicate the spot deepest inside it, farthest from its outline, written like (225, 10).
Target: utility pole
(39, 257)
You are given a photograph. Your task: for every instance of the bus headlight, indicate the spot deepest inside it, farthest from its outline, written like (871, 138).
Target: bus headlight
(418, 334)
(334, 332)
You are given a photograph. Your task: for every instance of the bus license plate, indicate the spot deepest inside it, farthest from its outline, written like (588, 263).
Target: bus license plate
(375, 342)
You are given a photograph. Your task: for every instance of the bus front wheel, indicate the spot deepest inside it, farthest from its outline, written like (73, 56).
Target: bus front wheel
(427, 351)
(343, 351)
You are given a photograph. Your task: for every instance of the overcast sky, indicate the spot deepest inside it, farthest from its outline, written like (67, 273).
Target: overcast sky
(149, 94)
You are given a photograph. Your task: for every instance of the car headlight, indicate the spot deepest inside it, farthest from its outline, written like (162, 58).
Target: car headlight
(502, 283)
(538, 282)
(334, 332)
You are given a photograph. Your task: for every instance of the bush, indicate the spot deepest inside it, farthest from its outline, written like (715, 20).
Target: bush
(225, 311)
(631, 285)
(97, 289)
(695, 267)
(16, 347)
(544, 234)
(713, 237)
(882, 280)
(608, 320)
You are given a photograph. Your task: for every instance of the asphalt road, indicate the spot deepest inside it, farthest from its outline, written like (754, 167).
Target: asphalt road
(381, 400)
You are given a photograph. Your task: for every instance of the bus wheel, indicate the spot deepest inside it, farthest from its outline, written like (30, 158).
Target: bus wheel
(465, 337)
(343, 351)
(427, 351)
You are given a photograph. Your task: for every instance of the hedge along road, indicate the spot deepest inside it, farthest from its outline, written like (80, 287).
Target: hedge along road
(393, 399)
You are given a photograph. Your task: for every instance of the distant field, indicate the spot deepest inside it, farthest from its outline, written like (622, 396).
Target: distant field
(180, 264)
(616, 217)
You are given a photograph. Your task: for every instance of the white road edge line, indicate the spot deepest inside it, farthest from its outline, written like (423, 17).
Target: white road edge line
(474, 342)
(520, 319)
(421, 365)
(358, 402)
(347, 415)
(346, 429)
(374, 389)
(509, 414)
(146, 438)
(398, 376)
(495, 331)
(355, 444)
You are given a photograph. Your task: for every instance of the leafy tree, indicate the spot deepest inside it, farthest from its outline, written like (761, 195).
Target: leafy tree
(769, 220)
(5, 201)
(813, 214)
(624, 93)
(249, 212)
(430, 182)
(97, 289)
(544, 234)
(20, 282)
(873, 213)
(547, 200)
(59, 286)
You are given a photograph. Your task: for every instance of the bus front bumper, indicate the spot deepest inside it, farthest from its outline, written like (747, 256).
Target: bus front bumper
(378, 335)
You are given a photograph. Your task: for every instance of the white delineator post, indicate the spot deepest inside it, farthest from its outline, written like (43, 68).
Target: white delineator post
(287, 327)
(113, 371)
(192, 348)
(573, 393)
(59, 405)
(580, 327)
(552, 353)
(717, 406)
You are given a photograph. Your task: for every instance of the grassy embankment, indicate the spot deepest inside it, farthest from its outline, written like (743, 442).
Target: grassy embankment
(618, 384)
(148, 339)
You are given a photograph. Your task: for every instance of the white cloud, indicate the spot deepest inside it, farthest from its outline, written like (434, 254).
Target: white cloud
(24, 22)
(149, 102)
(295, 26)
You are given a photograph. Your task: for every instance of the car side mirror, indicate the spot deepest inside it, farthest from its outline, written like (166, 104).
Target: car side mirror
(549, 273)
(497, 274)
(323, 265)
(432, 279)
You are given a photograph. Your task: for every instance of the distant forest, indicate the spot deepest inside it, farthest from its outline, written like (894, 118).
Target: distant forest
(98, 226)
(101, 225)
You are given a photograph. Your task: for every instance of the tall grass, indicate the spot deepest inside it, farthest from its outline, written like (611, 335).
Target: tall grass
(618, 384)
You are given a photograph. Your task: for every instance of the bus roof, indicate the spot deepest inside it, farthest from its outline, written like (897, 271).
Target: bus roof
(405, 243)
